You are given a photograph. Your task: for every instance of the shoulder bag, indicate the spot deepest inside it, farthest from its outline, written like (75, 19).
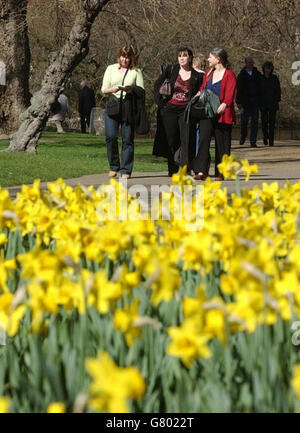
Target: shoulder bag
(166, 88)
(113, 104)
(203, 106)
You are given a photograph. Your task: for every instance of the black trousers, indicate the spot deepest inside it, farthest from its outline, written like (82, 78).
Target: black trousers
(268, 119)
(222, 134)
(179, 134)
(85, 121)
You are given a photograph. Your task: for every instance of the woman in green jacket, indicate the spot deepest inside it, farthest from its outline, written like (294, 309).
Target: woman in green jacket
(122, 81)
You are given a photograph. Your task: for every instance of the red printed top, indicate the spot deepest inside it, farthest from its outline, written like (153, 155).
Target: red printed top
(181, 90)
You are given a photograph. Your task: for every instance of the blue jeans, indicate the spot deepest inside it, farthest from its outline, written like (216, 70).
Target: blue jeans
(254, 114)
(127, 153)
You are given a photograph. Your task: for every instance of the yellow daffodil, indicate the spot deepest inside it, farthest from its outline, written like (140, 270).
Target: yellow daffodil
(187, 343)
(229, 167)
(125, 321)
(3, 239)
(4, 404)
(56, 407)
(296, 380)
(112, 386)
(248, 169)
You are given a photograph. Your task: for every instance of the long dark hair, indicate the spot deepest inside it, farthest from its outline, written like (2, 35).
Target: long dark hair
(223, 56)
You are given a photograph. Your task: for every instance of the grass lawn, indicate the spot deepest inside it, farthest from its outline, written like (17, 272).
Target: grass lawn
(69, 155)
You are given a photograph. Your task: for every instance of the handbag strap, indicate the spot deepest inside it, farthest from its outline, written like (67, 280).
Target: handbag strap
(187, 110)
(123, 84)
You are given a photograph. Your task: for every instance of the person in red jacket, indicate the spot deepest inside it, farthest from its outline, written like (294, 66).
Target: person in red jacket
(222, 81)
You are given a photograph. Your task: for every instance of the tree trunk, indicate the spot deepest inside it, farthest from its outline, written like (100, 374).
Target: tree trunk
(15, 55)
(73, 52)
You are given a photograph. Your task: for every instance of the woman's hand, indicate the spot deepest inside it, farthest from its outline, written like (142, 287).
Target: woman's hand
(111, 89)
(114, 89)
(221, 108)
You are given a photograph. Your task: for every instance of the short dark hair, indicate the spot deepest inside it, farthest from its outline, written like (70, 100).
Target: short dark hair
(222, 54)
(188, 50)
(249, 58)
(268, 65)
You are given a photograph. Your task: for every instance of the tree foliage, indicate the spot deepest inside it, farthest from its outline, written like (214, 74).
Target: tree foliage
(265, 29)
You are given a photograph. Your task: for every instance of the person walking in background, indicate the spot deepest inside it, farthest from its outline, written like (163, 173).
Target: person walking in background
(179, 136)
(59, 110)
(247, 99)
(270, 91)
(199, 64)
(123, 83)
(86, 101)
(222, 81)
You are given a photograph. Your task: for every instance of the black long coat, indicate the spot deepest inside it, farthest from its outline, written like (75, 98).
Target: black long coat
(160, 147)
(243, 88)
(134, 110)
(86, 100)
(270, 91)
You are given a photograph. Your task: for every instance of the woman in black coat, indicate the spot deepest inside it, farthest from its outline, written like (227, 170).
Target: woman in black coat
(172, 131)
(270, 92)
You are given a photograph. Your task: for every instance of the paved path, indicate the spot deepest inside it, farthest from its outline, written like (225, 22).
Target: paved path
(278, 163)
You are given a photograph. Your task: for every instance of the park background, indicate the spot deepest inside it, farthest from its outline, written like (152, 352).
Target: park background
(264, 29)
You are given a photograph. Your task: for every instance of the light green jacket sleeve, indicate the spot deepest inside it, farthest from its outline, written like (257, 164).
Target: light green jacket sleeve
(139, 78)
(106, 83)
